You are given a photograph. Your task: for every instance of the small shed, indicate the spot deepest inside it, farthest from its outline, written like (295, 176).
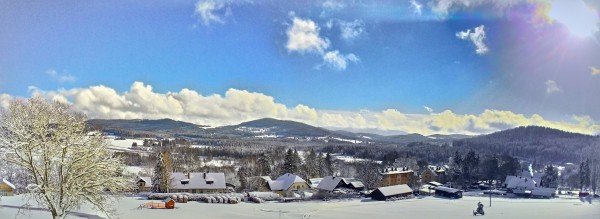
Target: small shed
(443, 191)
(383, 193)
(169, 203)
(6, 188)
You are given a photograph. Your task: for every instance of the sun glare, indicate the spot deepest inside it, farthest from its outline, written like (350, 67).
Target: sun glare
(581, 20)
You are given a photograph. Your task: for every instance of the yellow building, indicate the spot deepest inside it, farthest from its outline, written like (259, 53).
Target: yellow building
(6, 188)
(396, 176)
(287, 183)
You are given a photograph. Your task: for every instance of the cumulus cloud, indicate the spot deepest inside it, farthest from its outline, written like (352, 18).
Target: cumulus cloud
(339, 61)
(212, 11)
(235, 106)
(476, 36)
(595, 71)
(60, 77)
(416, 6)
(352, 29)
(552, 87)
(303, 37)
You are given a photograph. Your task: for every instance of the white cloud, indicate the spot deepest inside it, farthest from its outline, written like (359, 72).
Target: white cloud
(60, 77)
(303, 36)
(416, 6)
(213, 11)
(476, 36)
(552, 87)
(595, 71)
(351, 30)
(4, 101)
(428, 109)
(444, 7)
(235, 106)
(339, 61)
(333, 5)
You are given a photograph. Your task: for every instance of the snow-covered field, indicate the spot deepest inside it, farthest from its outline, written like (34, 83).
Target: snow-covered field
(428, 207)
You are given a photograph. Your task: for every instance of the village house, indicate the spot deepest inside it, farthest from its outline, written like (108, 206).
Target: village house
(433, 173)
(396, 176)
(331, 183)
(519, 185)
(287, 183)
(6, 187)
(387, 192)
(198, 182)
(144, 184)
(189, 182)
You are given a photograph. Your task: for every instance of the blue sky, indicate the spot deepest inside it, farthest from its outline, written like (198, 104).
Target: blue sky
(395, 58)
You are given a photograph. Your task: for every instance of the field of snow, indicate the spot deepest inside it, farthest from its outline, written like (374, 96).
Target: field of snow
(428, 207)
(123, 145)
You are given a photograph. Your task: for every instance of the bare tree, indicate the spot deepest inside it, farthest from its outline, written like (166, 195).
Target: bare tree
(67, 167)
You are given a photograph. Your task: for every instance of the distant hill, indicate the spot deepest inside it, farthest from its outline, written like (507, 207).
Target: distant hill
(533, 142)
(145, 126)
(273, 127)
(260, 128)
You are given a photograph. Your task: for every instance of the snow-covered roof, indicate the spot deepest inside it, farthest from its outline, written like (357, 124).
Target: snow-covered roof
(3, 180)
(198, 181)
(513, 182)
(147, 180)
(547, 192)
(398, 170)
(329, 183)
(434, 183)
(436, 169)
(395, 190)
(446, 189)
(284, 182)
(266, 178)
(357, 184)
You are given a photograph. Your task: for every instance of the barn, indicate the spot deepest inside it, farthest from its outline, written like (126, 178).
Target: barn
(442, 191)
(397, 191)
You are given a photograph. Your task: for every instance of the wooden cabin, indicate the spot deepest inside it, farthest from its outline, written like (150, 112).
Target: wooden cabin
(144, 184)
(397, 191)
(396, 176)
(6, 188)
(443, 191)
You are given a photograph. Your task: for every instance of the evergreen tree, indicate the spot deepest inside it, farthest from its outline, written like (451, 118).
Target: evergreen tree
(550, 178)
(327, 165)
(162, 173)
(509, 166)
(290, 162)
(489, 169)
(311, 164)
(584, 174)
(263, 165)
(243, 174)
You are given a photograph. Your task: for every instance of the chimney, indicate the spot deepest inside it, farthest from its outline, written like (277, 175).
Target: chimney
(204, 175)
(188, 175)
